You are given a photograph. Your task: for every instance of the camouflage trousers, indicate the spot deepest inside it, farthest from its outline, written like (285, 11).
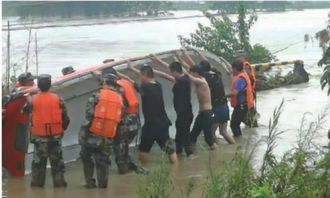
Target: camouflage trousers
(98, 157)
(43, 151)
(127, 131)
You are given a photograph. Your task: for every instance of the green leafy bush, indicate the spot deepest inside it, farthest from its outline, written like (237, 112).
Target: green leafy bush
(225, 36)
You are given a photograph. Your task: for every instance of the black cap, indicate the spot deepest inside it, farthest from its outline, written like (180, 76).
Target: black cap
(67, 70)
(110, 79)
(44, 82)
(25, 77)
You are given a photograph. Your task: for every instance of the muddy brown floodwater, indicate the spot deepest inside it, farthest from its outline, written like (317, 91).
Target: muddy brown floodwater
(93, 44)
(125, 186)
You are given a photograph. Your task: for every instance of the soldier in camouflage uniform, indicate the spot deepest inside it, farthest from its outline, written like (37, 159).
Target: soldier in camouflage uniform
(47, 146)
(95, 149)
(127, 131)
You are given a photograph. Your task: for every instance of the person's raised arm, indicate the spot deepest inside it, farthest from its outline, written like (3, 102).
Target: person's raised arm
(201, 56)
(133, 69)
(160, 61)
(193, 79)
(164, 75)
(179, 59)
(189, 60)
(121, 75)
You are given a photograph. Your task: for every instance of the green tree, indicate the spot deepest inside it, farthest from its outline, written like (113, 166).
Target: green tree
(325, 79)
(225, 36)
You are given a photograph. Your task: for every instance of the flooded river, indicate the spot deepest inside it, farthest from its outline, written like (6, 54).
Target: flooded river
(84, 46)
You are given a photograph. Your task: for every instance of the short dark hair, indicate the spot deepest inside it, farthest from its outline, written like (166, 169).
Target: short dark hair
(237, 64)
(67, 70)
(108, 60)
(176, 67)
(25, 77)
(111, 70)
(44, 82)
(147, 71)
(110, 79)
(205, 65)
(197, 69)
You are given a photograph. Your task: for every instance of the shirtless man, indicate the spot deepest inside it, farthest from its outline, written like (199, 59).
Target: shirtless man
(218, 97)
(203, 121)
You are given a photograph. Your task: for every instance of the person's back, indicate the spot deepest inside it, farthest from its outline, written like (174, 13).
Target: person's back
(215, 83)
(49, 120)
(103, 114)
(156, 122)
(182, 95)
(153, 103)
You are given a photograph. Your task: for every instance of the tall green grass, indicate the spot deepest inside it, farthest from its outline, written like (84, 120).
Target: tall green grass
(302, 172)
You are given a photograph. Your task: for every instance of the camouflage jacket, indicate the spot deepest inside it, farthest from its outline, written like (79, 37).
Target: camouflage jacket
(85, 136)
(27, 109)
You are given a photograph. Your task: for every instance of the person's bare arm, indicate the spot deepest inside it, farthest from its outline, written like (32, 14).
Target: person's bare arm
(193, 79)
(164, 75)
(189, 60)
(133, 69)
(232, 93)
(201, 56)
(160, 61)
(183, 63)
(121, 75)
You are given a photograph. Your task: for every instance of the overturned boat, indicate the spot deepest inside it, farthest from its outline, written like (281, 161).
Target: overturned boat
(76, 88)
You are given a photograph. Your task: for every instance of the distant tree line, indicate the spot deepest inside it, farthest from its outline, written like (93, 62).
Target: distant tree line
(68, 9)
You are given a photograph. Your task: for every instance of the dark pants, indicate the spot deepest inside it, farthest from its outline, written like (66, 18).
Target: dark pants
(238, 116)
(99, 157)
(203, 122)
(43, 151)
(182, 137)
(121, 151)
(154, 132)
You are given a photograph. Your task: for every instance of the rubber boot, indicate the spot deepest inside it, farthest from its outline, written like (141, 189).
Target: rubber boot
(58, 180)
(91, 183)
(123, 168)
(102, 183)
(38, 178)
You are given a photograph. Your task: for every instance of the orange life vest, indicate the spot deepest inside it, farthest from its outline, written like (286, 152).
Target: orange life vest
(248, 90)
(46, 115)
(251, 73)
(130, 96)
(107, 114)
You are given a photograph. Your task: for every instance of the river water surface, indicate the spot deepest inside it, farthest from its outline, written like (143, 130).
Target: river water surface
(84, 46)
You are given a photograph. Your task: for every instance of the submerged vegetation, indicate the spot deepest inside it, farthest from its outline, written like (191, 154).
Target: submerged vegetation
(302, 172)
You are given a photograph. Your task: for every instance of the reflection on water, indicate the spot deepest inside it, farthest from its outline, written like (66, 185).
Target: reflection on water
(85, 46)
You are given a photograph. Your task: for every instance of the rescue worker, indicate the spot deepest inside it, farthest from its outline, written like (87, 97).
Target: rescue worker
(181, 101)
(156, 122)
(219, 100)
(67, 70)
(128, 127)
(103, 114)
(251, 118)
(204, 119)
(241, 96)
(241, 55)
(24, 80)
(49, 120)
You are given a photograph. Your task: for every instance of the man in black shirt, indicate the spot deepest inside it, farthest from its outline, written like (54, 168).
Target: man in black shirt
(218, 98)
(156, 122)
(219, 101)
(182, 103)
